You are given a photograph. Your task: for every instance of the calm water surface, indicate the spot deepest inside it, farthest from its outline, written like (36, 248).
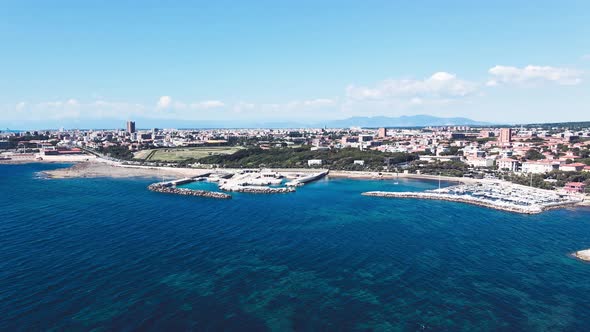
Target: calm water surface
(107, 254)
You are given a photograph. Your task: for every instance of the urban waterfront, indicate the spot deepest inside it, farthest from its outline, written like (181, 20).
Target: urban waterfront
(108, 254)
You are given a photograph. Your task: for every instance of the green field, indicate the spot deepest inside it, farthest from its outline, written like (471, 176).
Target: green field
(180, 154)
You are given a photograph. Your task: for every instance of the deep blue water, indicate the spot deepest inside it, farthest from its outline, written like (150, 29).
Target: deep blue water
(107, 254)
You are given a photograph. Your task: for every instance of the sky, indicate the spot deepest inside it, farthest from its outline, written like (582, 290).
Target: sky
(99, 63)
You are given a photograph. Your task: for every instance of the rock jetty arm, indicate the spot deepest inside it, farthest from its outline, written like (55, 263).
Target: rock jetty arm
(257, 189)
(167, 189)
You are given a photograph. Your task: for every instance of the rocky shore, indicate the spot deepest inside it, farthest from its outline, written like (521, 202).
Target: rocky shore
(582, 255)
(187, 192)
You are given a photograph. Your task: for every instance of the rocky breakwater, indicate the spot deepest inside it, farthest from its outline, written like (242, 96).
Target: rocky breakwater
(167, 189)
(257, 189)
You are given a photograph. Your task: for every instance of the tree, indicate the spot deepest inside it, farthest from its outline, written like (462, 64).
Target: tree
(533, 154)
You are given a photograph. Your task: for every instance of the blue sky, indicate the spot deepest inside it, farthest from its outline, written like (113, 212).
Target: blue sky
(93, 63)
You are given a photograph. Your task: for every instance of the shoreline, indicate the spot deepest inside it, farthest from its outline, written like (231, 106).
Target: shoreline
(392, 175)
(100, 168)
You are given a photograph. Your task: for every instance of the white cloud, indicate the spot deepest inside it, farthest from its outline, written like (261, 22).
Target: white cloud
(207, 104)
(492, 83)
(241, 106)
(416, 101)
(72, 102)
(300, 107)
(319, 102)
(439, 85)
(21, 106)
(533, 74)
(164, 102)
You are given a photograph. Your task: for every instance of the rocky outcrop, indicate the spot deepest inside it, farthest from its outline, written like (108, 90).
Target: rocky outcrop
(582, 255)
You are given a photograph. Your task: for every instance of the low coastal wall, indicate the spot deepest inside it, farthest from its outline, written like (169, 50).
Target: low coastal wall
(530, 209)
(161, 188)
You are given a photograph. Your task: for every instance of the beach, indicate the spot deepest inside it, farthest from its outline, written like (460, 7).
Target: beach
(95, 169)
(393, 175)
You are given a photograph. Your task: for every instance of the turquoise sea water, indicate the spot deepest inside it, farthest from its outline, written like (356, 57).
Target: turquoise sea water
(107, 254)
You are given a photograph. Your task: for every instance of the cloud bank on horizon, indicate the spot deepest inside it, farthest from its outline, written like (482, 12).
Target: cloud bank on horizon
(389, 63)
(441, 88)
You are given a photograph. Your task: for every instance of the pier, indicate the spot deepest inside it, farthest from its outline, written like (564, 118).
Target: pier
(306, 179)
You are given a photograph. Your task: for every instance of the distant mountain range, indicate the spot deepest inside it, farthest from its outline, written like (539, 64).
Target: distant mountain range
(403, 121)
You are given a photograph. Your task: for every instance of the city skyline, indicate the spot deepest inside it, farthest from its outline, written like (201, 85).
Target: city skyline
(96, 65)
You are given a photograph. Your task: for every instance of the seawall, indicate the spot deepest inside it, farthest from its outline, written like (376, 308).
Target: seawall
(167, 189)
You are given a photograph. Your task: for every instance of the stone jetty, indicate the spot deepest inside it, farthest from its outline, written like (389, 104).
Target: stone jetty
(167, 189)
(257, 189)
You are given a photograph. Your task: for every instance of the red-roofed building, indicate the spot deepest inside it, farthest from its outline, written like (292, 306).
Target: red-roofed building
(575, 167)
(575, 187)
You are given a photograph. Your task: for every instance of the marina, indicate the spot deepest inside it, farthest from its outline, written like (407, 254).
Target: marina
(254, 181)
(497, 195)
(306, 178)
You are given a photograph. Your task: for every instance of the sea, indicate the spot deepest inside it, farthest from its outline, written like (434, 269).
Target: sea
(104, 254)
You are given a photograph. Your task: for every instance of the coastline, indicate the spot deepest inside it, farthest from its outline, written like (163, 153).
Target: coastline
(97, 169)
(102, 168)
(392, 175)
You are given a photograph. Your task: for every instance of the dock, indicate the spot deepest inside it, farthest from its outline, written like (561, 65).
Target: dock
(306, 179)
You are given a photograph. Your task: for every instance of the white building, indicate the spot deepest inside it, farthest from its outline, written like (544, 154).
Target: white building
(314, 162)
(507, 164)
(432, 159)
(480, 162)
(539, 167)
